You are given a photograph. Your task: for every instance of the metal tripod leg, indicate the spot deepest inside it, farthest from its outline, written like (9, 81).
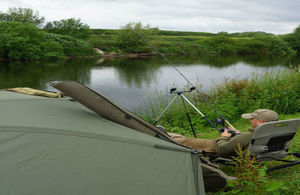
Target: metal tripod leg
(188, 116)
(200, 112)
(163, 112)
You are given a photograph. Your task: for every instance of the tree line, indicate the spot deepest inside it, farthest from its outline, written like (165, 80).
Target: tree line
(25, 35)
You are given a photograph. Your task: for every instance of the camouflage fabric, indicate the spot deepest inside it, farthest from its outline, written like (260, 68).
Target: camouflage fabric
(225, 146)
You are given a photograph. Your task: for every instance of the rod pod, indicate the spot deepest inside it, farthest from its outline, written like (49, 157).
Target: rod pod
(180, 93)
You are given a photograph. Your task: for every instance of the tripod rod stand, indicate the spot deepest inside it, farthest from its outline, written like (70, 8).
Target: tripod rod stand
(183, 98)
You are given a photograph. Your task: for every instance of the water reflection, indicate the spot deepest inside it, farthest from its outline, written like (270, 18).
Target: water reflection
(38, 74)
(127, 81)
(136, 72)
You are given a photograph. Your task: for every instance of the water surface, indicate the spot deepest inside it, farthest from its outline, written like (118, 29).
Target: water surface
(129, 81)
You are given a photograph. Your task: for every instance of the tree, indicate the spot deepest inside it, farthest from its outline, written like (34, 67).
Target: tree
(25, 15)
(71, 27)
(293, 39)
(20, 41)
(297, 30)
(130, 37)
(24, 41)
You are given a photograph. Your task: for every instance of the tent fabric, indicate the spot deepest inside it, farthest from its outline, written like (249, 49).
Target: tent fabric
(57, 146)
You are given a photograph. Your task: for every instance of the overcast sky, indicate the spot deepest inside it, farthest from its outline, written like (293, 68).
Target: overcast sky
(274, 16)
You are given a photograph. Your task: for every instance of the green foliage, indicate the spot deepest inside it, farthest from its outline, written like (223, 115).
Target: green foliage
(104, 32)
(24, 41)
(25, 15)
(71, 46)
(277, 91)
(183, 33)
(293, 39)
(264, 45)
(105, 43)
(71, 27)
(251, 177)
(131, 38)
(221, 45)
(20, 41)
(249, 34)
(189, 43)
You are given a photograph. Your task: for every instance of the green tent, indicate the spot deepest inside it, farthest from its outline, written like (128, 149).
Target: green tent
(58, 146)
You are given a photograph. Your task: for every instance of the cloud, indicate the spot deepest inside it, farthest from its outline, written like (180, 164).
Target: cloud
(275, 16)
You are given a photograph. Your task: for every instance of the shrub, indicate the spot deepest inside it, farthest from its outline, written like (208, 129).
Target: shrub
(71, 46)
(105, 43)
(23, 41)
(53, 49)
(133, 37)
(71, 27)
(221, 44)
(293, 39)
(251, 177)
(24, 15)
(20, 41)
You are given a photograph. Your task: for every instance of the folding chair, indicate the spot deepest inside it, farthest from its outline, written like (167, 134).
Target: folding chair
(271, 140)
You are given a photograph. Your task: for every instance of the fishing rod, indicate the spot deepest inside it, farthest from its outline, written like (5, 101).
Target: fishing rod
(180, 93)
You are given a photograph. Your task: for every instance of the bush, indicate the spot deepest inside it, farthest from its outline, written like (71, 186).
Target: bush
(20, 41)
(105, 43)
(71, 46)
(24, 15)
(53, 49)
(251, 177)
(71, 27)
(221, 44)
(134, 38)
(293, 39)
(23, 41)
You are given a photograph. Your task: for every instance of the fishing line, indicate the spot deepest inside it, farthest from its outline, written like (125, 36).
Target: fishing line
(177, 70)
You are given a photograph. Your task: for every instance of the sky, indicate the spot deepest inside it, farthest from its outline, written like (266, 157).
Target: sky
(273, 16)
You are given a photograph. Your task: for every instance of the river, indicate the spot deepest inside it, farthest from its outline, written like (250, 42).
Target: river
(129, 82)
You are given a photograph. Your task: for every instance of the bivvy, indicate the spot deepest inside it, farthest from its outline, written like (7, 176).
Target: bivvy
(58, 146)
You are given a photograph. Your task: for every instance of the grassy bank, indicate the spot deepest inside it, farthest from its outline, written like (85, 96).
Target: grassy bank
(279, 91)
(201, 43)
